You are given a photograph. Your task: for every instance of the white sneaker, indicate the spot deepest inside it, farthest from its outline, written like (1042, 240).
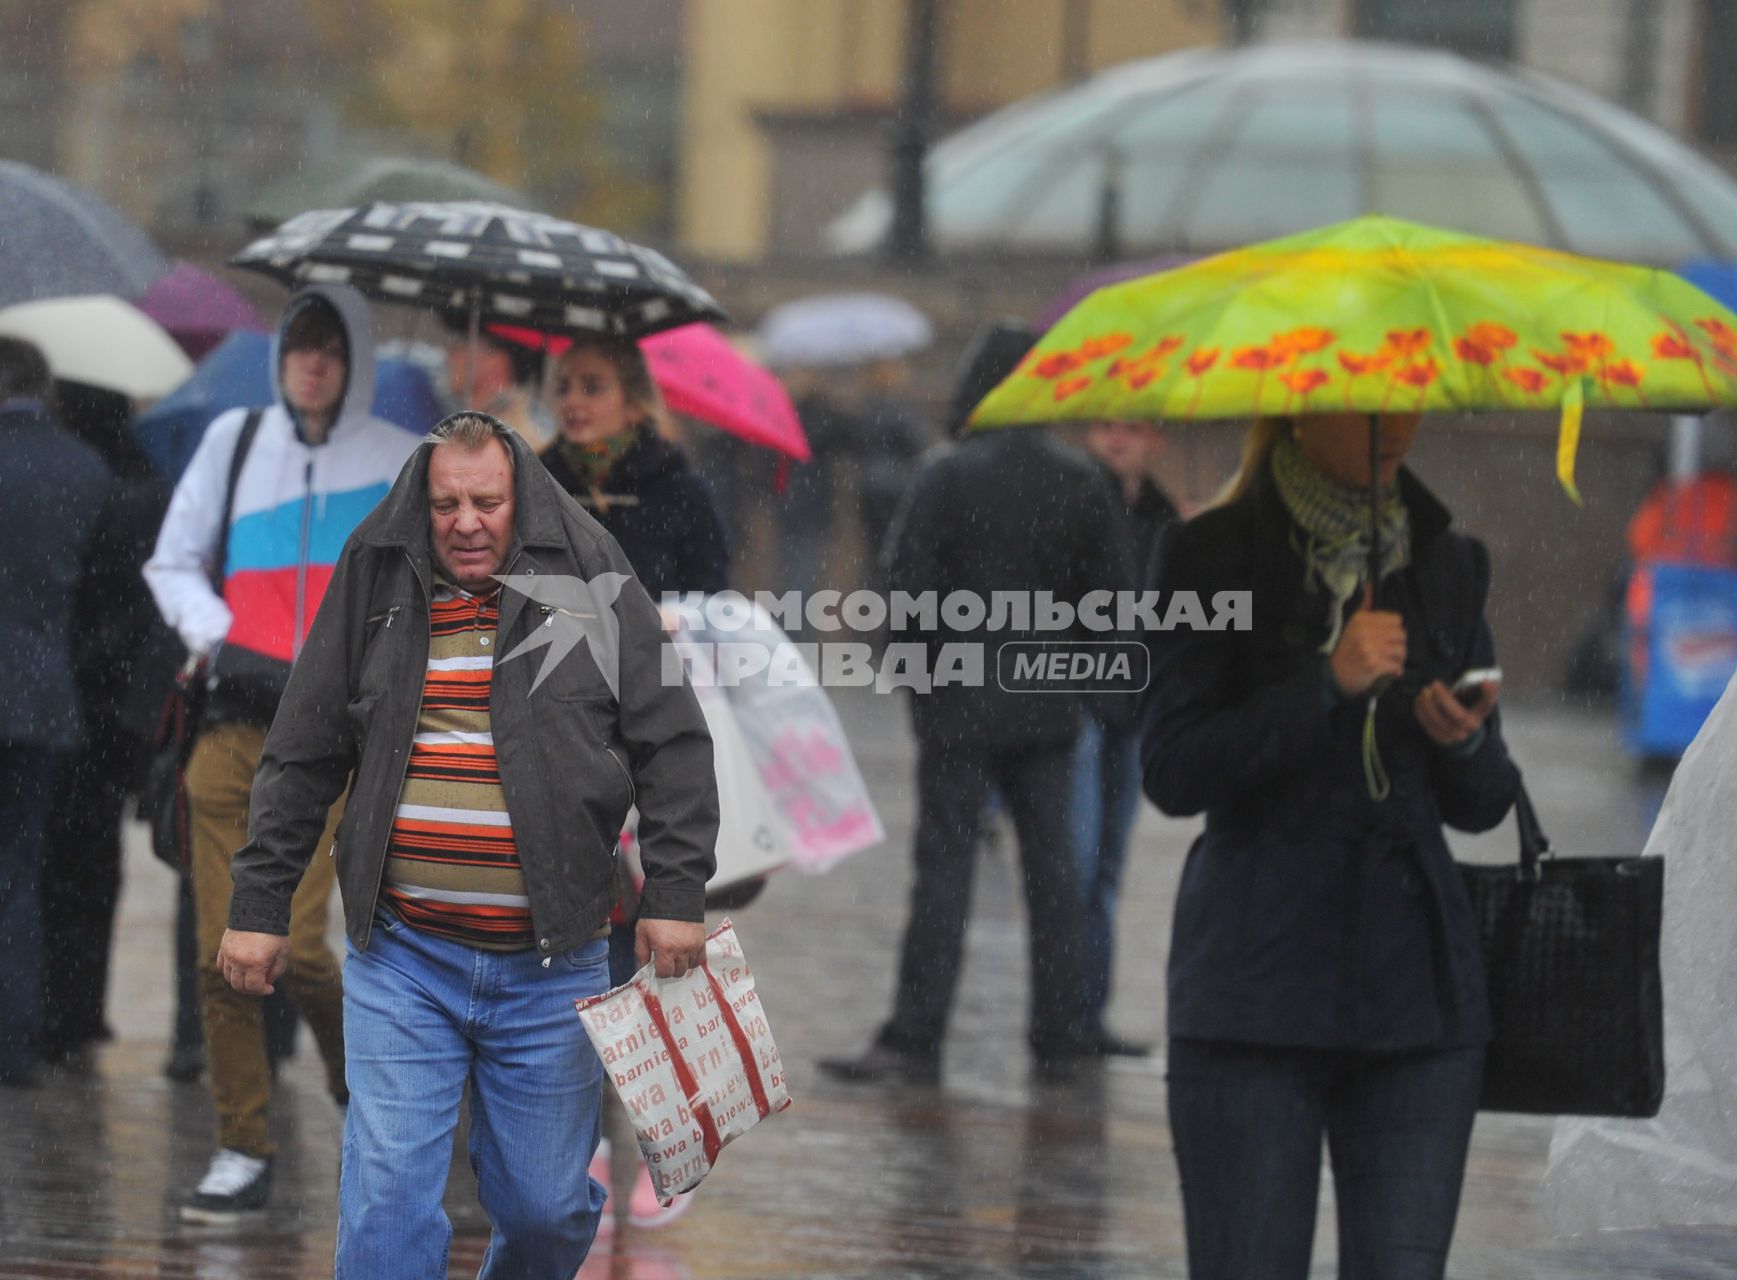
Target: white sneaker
(233, 1185)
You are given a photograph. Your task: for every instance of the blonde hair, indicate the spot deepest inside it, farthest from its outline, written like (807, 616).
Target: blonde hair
(1256, 446)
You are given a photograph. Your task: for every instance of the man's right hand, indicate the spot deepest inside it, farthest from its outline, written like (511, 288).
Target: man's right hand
(252, 962)
(1370, 648)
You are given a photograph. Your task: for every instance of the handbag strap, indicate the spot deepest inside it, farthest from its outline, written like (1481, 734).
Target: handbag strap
(243, 442)
(1534, 844)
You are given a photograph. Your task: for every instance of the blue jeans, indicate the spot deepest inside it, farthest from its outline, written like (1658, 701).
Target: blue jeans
(26, 789)
(1247, 1123)
(424, 1017)
(1106, 800)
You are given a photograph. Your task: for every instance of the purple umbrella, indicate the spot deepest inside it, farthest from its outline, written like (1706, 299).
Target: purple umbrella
(1115, 273)
(198, 309)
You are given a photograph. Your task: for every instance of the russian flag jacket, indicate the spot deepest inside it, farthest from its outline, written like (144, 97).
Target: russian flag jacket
(295, 505)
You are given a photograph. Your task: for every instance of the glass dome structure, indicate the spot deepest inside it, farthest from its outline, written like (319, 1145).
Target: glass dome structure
(1209, 149)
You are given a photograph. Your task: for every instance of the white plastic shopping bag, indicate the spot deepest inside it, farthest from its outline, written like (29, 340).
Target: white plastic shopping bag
(692, 1059)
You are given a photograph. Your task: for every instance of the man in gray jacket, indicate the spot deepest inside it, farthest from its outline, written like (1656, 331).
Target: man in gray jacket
(475, 857)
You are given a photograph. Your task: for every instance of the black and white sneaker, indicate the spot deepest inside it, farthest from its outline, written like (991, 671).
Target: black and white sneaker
(234, 1184)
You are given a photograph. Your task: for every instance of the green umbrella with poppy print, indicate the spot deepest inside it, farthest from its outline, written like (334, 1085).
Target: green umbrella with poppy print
(1378, 315)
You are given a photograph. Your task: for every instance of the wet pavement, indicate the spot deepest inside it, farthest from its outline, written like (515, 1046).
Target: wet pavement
(989, 1175)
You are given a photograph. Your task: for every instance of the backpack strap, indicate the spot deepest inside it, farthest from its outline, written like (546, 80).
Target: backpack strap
(243, 442)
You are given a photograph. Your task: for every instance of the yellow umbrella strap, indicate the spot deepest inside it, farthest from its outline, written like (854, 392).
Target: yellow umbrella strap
(1374, 771)
(1568, 436)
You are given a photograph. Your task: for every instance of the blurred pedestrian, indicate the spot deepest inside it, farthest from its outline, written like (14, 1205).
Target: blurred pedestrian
(1107, 763)
(464, 871)
(497, 376)
(124, 658)
(1325, 979)
(50, 507)
(294, 480)
(890, 437)
(808, 508)
(1003, 511)
(611, 457)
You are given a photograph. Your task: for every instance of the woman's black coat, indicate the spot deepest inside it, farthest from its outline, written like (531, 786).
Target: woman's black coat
(668, 527)
(1309, 914)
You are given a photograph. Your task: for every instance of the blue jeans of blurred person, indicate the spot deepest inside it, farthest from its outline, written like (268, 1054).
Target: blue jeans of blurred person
(26, 794)
(1106, 801)
(1247, 1123)
(424, 1018)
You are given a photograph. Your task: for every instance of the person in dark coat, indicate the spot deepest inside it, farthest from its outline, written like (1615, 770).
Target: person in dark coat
(1325, 978)
(639, 486)
(1107, 763)
(55, 492)
(807, 509)
(123, 661)
(1005, 511)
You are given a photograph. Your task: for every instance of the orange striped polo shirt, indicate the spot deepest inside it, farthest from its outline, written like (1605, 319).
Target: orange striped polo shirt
(452, 866)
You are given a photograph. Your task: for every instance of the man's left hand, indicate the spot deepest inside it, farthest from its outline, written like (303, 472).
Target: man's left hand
(679, 945)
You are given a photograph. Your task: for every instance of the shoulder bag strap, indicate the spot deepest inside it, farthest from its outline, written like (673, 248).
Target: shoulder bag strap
(243, 442)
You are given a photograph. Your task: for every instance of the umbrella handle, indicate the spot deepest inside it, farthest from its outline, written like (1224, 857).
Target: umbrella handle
(1374, 504)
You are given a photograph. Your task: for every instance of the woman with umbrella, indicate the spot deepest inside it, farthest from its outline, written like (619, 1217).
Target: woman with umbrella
(1324, 975)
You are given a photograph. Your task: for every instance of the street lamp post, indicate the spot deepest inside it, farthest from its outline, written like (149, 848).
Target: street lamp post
(908, 240)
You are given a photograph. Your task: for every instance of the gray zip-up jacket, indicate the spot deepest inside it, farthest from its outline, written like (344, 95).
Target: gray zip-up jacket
(574, 752)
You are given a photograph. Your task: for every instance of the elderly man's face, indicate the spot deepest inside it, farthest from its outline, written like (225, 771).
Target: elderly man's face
(470, 497)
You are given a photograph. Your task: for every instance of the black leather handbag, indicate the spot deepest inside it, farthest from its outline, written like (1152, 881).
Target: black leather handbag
(163, 790)
(1571, 948)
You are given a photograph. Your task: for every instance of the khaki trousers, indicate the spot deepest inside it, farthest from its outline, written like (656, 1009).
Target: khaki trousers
(219, 780)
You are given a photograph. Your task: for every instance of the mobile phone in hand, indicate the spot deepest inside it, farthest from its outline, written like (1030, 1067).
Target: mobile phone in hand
(1470, 686)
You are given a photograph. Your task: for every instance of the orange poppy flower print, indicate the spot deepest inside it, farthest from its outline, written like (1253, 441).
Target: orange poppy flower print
(1526, 378)
(1070, 387)
(1723, 336)
(1671, 346)
(1302, 342)
(1357, 365)
(1589, 346)
(1495, 337)
(1560, 365)
(1418, 375)
(1406, 343)
(1257, 359)
(1625, 373)
(1303, 381)
(1474, 352)
(1202, 360)
(1057, 365)
(1106, 344)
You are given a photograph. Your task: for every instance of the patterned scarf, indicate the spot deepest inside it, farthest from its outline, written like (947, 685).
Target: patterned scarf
(590, 463)
(1331, 531)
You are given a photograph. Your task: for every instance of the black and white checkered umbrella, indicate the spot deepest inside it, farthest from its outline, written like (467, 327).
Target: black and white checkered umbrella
(502, 265)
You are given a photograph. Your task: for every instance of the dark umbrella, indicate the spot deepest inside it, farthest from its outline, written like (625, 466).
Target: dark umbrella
(57, 241)
(496, 264)
(197, 309)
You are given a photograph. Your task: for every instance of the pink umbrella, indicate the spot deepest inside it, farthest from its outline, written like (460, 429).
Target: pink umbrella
(198, 309)
(702, 376)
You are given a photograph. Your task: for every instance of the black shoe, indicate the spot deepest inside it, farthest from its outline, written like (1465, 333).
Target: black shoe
(1054, 1068)
(234, 1184)
(1105, 1045)
(883, 1063)
(186, 1064)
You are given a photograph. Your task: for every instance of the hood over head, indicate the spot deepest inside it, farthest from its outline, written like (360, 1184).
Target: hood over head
(353, 314)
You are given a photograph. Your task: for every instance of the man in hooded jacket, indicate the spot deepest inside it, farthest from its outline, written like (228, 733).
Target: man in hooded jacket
(294, 481)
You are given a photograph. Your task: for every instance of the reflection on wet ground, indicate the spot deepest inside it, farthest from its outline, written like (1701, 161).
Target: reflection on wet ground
(989, 1175)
